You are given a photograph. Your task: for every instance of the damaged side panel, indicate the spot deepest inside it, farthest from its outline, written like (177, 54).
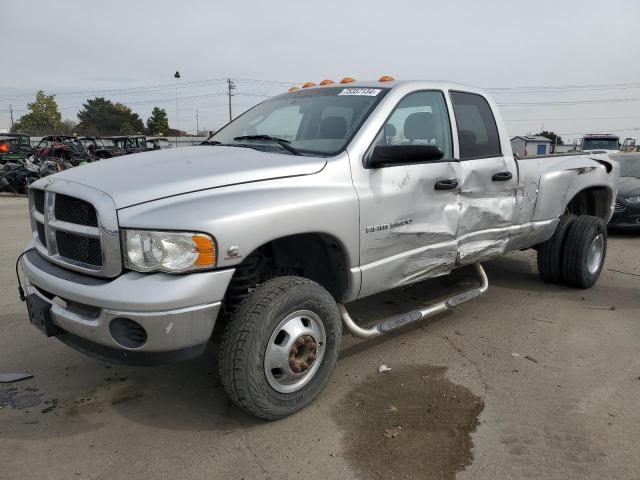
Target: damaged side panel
(487, 208)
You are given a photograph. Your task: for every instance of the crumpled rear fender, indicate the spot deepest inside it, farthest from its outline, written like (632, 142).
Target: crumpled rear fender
(561, 182)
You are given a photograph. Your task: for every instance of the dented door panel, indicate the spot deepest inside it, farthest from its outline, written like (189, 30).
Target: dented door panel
(407, 228)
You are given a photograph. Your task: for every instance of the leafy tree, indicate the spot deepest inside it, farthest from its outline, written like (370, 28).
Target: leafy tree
(103, 117)
(127, 129)
(158, 122)
(551, 136)
(43, 118)
(68, 127)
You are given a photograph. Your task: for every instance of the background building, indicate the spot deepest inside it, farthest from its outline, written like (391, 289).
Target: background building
(526, 146)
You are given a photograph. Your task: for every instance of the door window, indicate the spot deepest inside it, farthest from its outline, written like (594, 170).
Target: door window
(420, 118)
(477, 130)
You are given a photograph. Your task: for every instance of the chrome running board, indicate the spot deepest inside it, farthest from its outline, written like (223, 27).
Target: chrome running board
(403, 319)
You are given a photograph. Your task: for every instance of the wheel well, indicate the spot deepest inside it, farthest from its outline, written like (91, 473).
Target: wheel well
(591, 201)
(316, 256)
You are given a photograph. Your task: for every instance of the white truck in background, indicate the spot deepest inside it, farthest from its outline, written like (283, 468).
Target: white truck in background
(600, 143)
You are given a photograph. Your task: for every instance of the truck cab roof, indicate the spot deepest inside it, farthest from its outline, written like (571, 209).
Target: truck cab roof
(402, 84)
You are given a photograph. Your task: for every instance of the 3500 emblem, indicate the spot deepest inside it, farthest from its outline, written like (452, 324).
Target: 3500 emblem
(388, 226)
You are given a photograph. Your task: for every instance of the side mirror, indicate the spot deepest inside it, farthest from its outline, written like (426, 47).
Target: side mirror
(394, 155)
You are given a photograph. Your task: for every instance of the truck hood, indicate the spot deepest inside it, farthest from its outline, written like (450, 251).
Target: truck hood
(599, 150)
(142, 177)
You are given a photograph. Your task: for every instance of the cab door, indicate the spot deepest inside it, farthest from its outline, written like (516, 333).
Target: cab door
(488, 181)
(409, 213)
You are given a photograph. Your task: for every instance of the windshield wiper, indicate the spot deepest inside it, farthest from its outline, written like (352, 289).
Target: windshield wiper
(280, 141)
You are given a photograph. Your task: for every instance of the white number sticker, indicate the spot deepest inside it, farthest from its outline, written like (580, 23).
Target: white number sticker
(367, 92)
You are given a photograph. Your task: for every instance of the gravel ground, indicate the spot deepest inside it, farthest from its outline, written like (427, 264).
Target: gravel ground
(529, 381)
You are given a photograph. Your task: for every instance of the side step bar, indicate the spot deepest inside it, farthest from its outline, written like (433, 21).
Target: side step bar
(403, 319)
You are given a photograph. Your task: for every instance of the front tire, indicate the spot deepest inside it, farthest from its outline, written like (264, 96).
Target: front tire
(280, 347)
(584, 251)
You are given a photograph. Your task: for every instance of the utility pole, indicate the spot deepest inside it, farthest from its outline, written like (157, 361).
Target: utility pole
(197, 127)
(177, 77)
(230, 89)
(11, 113)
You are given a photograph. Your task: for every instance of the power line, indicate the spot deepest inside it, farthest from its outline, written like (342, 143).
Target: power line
(573, 119)
(610, 129)
(128, 90)
(156, 87)
(568, 102)
(564, 88)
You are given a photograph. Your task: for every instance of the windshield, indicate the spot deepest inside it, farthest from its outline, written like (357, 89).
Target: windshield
(106, 142)
(600, 144)
(319, 121)
(629, 166)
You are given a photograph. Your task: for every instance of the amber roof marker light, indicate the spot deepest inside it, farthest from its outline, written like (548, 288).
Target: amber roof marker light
(347, 80)
(309, 84)
(386, 78)
(326, 81)
(293, 89)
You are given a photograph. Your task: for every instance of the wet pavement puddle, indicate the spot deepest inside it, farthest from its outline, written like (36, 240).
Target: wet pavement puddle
(410, 422)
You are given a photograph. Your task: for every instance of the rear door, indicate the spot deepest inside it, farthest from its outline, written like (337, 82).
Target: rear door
(487, 183)
(409, 213)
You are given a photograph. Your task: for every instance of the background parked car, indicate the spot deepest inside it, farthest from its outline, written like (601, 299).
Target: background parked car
(63, 147)
(101, 147)
(14, 147)
(130, 143)
(627, 207)
(158, 143)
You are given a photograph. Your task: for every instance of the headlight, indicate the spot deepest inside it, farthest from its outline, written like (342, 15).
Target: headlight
(632, 199)
(172, 252)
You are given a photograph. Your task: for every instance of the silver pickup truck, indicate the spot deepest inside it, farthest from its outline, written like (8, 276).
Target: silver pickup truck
(310, 200)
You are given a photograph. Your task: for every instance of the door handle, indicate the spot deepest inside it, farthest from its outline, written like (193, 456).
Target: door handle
(502, 177)
(448, 184)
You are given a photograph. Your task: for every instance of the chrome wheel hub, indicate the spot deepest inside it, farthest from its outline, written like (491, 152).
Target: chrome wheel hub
(294, 351)
(594, 256)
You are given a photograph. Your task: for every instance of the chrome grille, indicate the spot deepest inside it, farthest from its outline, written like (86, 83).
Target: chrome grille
(38, 200)
(41, 235)
(76, 227)
(74, 210)
(618, 207)
(79, 248)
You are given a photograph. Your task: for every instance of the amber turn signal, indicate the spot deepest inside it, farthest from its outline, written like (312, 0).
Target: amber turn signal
(206, 250)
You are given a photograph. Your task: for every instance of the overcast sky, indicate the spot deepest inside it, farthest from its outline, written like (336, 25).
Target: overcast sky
(129, 51)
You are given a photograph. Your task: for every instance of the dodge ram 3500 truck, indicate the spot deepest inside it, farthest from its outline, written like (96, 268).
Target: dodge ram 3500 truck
(310, 200)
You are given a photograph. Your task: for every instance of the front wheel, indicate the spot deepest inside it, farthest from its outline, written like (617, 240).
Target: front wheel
(280, 347)
(584, 251)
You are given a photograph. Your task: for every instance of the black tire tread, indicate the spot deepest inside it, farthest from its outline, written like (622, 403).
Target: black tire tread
(550, 252)
(574, 268)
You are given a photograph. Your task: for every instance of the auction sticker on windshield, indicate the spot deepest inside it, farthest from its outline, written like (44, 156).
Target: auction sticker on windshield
(367, 92)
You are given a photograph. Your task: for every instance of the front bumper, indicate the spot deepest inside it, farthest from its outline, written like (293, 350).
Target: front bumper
(626, 216)
(177, 312)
